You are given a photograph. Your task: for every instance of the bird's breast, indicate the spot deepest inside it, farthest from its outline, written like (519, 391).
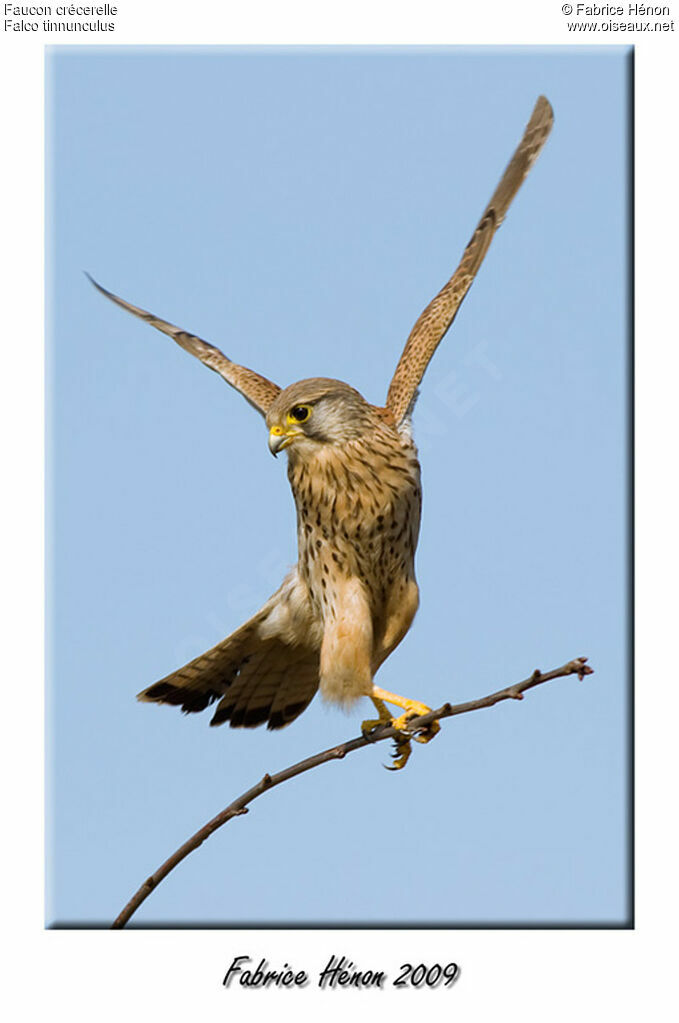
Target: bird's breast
(358, 516)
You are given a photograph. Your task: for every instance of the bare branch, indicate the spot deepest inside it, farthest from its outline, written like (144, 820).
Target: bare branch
(239, 806)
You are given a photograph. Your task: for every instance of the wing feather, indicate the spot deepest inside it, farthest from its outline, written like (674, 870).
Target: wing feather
(256, 389)
(432, 325)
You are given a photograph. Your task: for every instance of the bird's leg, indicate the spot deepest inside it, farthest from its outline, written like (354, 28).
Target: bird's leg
(402, 751)
(412, 709)
(384, 718)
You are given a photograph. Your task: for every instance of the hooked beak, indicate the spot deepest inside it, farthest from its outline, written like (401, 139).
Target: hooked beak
(280, 438)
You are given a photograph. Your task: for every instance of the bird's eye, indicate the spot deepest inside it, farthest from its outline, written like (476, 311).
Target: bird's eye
(299, 413)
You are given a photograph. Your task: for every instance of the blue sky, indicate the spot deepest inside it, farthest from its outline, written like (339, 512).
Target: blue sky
(299, 209)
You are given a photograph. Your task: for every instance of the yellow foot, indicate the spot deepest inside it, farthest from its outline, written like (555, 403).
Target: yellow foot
(369, 726)
(402, 748)
(413, 709)
(384, 718)
(402, 751)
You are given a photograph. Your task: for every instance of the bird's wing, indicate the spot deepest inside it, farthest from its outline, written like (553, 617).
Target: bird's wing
(437, 317)
(256, 389)
(265, 671)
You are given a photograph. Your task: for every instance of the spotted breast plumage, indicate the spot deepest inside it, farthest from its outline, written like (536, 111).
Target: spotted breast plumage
(355, 478)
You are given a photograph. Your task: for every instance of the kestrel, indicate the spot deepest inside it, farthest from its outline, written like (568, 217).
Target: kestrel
(355, 478)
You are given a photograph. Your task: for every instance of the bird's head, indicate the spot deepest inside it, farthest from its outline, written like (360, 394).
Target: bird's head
(316, 412)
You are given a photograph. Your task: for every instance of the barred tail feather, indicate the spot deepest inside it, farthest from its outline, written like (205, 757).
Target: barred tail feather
(260, 673)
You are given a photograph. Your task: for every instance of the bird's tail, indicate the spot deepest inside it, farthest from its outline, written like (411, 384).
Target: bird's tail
(258, 674)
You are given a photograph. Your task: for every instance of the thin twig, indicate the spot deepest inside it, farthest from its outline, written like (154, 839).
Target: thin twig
(239, 806)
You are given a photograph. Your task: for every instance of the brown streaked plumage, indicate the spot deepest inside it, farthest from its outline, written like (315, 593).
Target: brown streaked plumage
(434, 322)
(256, 389)
(355, 478)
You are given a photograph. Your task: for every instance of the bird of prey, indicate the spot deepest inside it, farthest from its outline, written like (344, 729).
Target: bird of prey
(355, 479)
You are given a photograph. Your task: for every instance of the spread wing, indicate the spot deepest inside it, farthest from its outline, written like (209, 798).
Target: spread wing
(437, 317)
(256, 389)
